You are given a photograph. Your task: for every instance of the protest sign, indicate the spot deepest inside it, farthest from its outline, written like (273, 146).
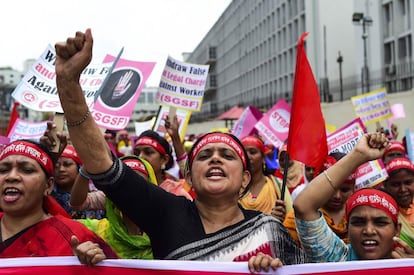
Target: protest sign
(244, 126)
(119, 94)
(182, 85)
(27, 130)
(37, 90)
(183, 117)
(274, 125)
(409, 137)
(344, 140)
(372, 107)
(397, 112)
(143, 126)
(3, 142)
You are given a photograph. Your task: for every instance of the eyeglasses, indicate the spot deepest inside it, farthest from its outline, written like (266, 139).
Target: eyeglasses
(65, 164)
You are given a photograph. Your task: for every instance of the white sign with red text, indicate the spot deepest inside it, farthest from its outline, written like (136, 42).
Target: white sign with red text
(344, 140)
(37, 90)
(182, 85)
(23, 129)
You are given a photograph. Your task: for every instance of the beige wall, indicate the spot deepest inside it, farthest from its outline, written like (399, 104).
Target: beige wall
(338, 114)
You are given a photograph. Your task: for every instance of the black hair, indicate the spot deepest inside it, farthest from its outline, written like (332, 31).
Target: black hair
(337, 155)
(164, 143)
(248, 165)
(111, 132)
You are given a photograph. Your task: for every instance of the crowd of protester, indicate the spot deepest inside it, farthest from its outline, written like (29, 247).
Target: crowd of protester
(107, 195)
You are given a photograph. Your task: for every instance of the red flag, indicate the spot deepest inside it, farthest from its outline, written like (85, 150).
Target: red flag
(13, 117)
(307, 133)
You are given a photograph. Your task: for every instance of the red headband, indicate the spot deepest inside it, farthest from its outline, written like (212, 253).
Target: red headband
(330, 161)
(136, 165)
(399, 163)
(70, 152)
(374, 198)
(256, 142)
(219, 138)
(29, 150)
(151, 142)
(395, 146)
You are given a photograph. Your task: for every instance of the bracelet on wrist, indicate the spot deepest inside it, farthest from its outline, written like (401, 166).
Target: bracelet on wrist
(79, 122)
(329, 179)
(83, 174)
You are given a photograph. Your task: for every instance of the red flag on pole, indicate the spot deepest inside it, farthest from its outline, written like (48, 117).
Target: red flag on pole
(13, 117)
(307, 133)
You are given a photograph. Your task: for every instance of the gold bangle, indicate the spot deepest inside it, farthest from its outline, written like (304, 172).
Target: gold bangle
(79, 122)
(329, 179)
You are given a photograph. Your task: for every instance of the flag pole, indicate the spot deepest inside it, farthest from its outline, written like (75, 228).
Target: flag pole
(285, 172)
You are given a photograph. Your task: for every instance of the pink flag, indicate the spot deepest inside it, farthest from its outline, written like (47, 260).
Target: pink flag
(245, 124)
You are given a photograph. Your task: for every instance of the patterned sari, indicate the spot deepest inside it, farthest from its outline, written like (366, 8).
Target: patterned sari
(115, 233)
(262, 233)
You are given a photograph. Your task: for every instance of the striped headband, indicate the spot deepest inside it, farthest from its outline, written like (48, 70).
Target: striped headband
(219, 138)
(151, 142)
(30, 150)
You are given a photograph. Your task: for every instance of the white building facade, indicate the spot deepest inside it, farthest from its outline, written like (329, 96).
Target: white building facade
(251, 50)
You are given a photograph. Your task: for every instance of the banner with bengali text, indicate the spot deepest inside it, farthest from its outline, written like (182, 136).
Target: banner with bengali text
(70, 265)
(23, 129)
(372, 107)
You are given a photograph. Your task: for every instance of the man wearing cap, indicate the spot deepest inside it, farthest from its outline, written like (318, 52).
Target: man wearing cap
(400, 184)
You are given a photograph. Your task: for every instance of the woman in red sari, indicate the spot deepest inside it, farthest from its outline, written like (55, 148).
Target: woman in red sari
(31, 222)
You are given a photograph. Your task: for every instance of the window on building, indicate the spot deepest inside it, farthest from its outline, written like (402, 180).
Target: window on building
(387, 14)
(404, 47)
(406, 84)
(212, 54)
(141, 98)
(403, 9)
(150, 97)
(213, 81)
(301, 5)
(389, 53)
